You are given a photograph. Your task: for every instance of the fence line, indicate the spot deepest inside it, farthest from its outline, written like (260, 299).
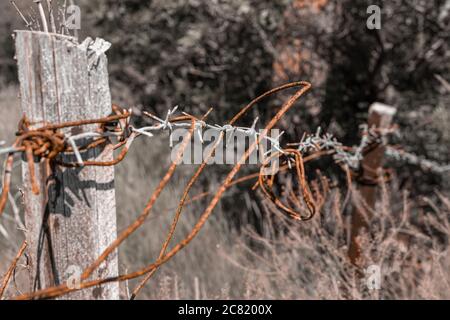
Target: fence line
(60, 140)
(314, 146)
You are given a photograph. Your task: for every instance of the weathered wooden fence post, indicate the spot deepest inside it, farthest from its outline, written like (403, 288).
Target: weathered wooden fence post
(71, 224)
(380, 116)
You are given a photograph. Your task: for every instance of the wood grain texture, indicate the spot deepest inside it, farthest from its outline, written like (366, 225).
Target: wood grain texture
(68, 227)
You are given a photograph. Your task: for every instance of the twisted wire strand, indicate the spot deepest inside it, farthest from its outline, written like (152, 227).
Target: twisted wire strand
(62, 289)
(48, 142)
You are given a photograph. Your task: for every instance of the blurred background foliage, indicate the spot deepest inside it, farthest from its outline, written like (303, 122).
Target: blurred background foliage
(222, 53)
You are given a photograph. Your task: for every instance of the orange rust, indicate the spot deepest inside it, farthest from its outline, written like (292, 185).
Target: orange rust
(48, 141)
(10, 272)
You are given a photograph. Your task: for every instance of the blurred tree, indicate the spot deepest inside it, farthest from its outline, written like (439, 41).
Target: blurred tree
(222, 53)
(194, 53)
(351, 67)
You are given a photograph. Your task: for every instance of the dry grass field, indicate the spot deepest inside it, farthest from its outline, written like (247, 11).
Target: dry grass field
(305, 261)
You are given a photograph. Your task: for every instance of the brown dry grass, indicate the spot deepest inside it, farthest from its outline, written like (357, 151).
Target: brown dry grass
(287, 260)
(9, 115)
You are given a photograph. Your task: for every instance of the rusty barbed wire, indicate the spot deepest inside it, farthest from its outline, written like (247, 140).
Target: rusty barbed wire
(125, 234)
(51, 140)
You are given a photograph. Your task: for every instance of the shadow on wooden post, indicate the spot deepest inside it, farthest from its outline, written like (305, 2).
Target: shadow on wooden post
(73, 219)
(380, 116)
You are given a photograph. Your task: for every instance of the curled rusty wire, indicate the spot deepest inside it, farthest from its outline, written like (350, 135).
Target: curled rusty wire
(266, 185)
(49, 142)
